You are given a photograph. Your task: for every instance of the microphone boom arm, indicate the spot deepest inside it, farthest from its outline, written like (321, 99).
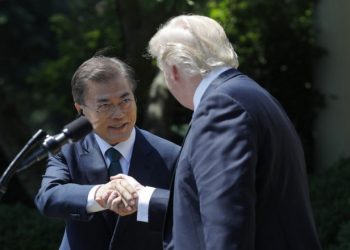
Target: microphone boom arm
(72, 132)
(11, 169)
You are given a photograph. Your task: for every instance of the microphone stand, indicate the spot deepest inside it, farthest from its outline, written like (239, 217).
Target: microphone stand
(37, 138)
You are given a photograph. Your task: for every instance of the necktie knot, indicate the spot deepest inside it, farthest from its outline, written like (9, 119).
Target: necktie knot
(114, 167)
(113, 155)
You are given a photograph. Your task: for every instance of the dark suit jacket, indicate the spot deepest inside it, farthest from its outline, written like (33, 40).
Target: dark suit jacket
(240, 181)
(71, 174)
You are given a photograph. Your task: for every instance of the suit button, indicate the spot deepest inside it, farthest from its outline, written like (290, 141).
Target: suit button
(75, 216)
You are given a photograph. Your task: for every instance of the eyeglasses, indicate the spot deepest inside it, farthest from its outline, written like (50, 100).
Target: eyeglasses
(110, 108)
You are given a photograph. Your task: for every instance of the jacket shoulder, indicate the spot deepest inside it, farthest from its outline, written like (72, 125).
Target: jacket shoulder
(158, 142)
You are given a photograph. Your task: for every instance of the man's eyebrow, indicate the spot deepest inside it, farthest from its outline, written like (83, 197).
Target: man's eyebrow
(104, 100)
(126, 94)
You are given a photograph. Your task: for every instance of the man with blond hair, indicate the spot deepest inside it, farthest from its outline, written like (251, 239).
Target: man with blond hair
(240, 180)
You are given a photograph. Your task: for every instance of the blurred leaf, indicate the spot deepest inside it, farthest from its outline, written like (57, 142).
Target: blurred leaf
(330, 196)
(23, 228)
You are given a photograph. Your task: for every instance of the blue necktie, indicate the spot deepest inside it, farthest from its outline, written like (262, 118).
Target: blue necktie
(114, 167)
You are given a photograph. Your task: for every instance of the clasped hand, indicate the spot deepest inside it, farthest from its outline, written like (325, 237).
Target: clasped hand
(119, 195)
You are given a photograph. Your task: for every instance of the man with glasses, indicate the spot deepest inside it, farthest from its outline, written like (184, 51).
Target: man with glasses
(103, 91)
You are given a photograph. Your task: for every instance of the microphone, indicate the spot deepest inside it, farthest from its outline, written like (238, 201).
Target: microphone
(72, 132)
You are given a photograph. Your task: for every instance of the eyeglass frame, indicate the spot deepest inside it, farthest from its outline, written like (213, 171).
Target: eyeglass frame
(110, 108)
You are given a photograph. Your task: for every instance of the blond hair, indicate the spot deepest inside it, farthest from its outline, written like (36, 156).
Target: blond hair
(197, 44)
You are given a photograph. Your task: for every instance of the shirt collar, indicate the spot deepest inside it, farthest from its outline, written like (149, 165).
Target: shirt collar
(125, 148)
(204, 84)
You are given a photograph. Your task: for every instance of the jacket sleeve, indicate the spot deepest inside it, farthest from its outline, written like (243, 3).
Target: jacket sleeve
(223, 158)
(157, 209)
(59, 196)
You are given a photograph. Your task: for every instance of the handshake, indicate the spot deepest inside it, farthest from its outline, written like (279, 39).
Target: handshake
(119, 195)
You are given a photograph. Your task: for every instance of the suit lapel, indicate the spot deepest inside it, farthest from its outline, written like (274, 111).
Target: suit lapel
(141, 169)
(93, 167)
(92, 163)
(142, 163)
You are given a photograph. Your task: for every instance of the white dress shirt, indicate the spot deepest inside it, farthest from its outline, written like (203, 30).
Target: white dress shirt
(125, 148)
(204, 84)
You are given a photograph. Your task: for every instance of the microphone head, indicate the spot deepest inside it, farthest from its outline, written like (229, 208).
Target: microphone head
(77, 129)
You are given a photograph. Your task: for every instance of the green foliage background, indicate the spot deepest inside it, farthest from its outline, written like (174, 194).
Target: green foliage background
(276, 47)
(23, 228)
(43, 42)
(274, 40)
(79, 30)
(330, 195)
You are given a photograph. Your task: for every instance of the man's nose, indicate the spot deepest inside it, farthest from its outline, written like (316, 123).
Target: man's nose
(116, 112)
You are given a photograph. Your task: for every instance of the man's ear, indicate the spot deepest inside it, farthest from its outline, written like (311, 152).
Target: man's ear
(175, 73)
(79, 109)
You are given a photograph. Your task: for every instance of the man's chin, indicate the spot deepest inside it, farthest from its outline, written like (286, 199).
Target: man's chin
(113, 140)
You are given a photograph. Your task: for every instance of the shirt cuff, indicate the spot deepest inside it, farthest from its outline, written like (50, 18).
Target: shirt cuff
(143, 204)
(92, 206)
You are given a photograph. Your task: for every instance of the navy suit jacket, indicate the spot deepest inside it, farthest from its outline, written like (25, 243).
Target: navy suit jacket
(72, 173)
(240, 181)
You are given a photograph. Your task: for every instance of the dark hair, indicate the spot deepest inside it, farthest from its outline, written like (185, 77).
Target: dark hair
(100, 69)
